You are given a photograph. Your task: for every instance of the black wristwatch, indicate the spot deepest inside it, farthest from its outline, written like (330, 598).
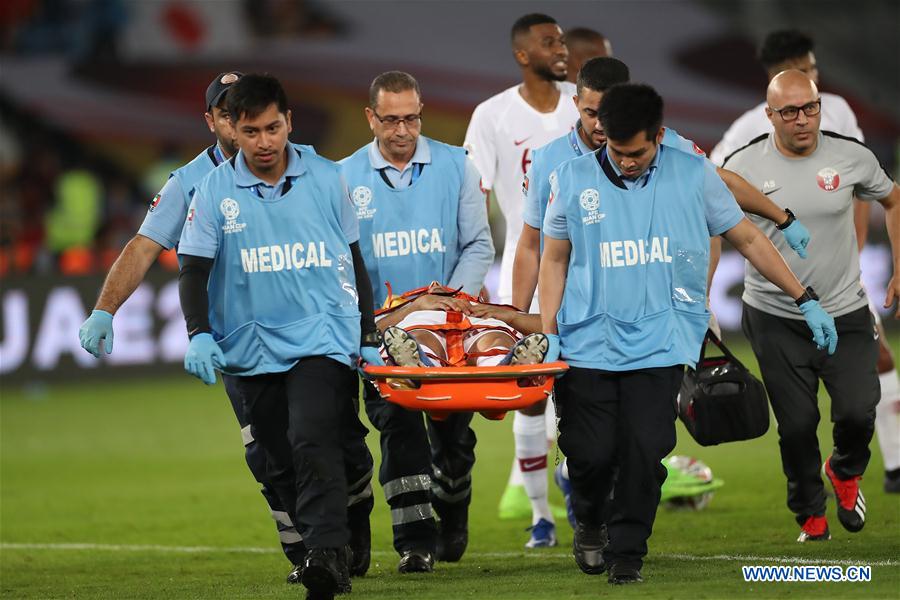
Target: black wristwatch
(808, 294)
(372, 339)
(791, 218)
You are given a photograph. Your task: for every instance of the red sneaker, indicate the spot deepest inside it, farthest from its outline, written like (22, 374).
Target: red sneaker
(815, 529)
(851, 505)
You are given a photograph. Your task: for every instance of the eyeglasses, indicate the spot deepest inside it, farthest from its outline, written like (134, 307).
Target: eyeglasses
(392, 122)
(789, 113)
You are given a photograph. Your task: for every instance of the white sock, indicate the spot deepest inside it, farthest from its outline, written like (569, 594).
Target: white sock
(887, 420)
(565, 469)
(531, 451)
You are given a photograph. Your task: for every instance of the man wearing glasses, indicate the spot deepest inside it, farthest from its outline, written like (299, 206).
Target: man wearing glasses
(422, 218)
(817, 174)
(790, 49)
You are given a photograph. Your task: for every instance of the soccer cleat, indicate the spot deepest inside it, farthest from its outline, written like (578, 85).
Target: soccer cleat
(851, 504)
(623, 574)
(565, 486)
(892, 481)
(543, 535)
(588, 547)
(296, 574)
(416, 561)
(814, 529)
(530, 350)
(403, 349)
(514, 504)
(325, 573)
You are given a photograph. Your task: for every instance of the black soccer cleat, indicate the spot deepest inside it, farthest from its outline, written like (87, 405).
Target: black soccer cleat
(416, 561)
(295, 575)
(623, 574)
(588, 546)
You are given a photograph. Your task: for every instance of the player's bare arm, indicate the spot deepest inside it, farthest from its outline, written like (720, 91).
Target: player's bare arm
(891, 206)
(525, 266)
(423, 302)
(522, 322)
(127, 273)
(552, 280)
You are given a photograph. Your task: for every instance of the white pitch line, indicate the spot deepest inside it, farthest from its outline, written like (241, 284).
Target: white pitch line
(742, 558)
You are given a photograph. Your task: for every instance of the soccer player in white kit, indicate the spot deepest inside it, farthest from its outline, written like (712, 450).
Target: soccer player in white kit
(790, 49)
(503, 132)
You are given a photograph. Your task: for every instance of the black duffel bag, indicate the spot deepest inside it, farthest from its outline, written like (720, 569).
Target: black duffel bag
(721, 401)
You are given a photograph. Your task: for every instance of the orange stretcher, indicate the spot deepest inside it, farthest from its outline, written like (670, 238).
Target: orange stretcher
(455, 387)
(491, 391)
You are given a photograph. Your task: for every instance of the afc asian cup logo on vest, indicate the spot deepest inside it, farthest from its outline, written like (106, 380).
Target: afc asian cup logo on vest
(362, 198)
(590, 202)
(231, 210)
(828, 179)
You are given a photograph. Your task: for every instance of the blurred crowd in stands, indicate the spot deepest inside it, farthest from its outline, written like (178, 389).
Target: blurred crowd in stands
(63, 208)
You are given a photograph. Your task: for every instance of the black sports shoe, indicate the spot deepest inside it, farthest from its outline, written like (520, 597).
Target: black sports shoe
(295, 575)
(416, 561)
(892, 481)
(452, 535)
(588, 548)
(624, 573)
(325, 573)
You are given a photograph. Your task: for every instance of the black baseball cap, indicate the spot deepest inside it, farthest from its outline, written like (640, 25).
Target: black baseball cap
(219, 86)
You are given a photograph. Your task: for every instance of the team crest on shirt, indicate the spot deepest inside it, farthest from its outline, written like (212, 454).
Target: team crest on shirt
(362, 198)
(590, 202)
(155, 202)
(231, 210)
(828, 179)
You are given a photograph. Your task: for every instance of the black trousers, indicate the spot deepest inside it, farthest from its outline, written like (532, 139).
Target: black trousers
(304, 418)
(426, 466)
(791, 368)
(255, 455)
(625, 420)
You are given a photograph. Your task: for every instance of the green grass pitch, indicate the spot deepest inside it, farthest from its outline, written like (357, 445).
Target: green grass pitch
(139, 490)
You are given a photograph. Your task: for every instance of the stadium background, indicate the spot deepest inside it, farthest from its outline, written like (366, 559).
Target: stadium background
(100, 99)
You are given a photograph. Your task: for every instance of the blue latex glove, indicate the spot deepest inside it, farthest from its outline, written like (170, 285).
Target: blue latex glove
(97, 329)
(553, 350)
(371, 356)
(797, 237)
(203, 357)
(822, 325)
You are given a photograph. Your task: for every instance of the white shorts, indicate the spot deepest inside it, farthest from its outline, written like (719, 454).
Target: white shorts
(438, 317)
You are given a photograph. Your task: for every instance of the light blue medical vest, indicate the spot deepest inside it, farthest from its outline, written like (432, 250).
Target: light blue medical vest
(408, 237)
(548, 157)
(635, 294)
(282, 286)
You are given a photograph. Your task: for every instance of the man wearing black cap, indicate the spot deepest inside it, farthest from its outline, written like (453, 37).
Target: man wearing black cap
(160, 231)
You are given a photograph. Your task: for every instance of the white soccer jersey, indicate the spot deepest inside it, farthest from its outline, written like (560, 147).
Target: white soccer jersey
(503, 132)
(837, 116)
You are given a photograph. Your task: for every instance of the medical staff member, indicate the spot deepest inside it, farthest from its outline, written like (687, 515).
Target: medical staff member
(275, 293)
(596, 76)
(160, 231)
(422, 218)
(623, 285)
